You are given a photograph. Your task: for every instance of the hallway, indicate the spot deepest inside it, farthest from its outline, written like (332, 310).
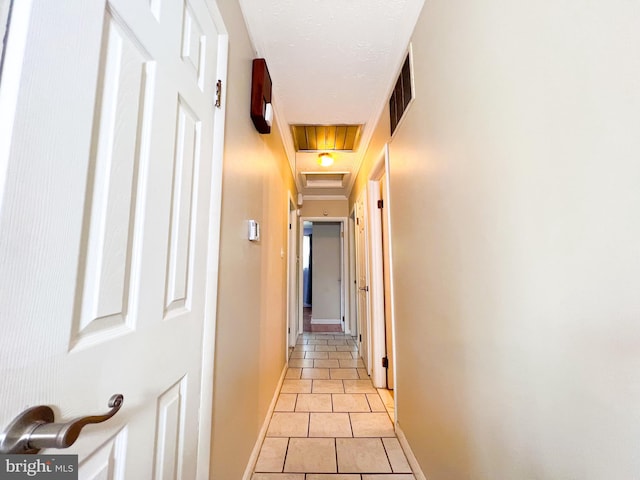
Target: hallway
(329, 422)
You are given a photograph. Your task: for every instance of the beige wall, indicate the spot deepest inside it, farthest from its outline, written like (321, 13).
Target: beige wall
(250, 342)
(317, 208)
(516, 233)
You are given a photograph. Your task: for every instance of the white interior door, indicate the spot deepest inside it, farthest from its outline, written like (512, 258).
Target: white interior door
(363, 287)
(104, 225)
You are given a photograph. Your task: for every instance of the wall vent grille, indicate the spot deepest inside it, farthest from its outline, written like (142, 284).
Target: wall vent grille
(401, 96)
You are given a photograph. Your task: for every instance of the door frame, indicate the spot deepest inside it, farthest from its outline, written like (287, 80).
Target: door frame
(292, 271)
(376, 259)
(344, 300)
(213, 255)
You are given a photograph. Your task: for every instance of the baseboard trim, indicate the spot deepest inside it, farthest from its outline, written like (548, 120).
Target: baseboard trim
(411, 458)
(325, 321)
(253, 458)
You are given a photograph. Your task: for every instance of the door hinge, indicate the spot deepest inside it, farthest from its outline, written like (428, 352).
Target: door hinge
(361, 337)
(343, 319)
(289, 329)
(385, 362)
(357, 221)
(380, 203)
(289, 226)
(219, 93)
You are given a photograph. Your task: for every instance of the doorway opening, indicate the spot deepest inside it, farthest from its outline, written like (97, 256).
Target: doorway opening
(321, 270)
(322, 274)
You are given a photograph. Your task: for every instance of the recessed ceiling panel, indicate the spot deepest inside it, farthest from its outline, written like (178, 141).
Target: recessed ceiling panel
(324, 179)
(326, 137)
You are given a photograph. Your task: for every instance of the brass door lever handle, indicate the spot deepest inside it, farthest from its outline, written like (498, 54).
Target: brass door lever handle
(34, 429)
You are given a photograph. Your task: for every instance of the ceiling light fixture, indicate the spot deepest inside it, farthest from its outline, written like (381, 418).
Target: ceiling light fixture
(325, 159)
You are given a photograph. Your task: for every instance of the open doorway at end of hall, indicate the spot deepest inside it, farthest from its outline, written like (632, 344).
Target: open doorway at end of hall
(322, 277)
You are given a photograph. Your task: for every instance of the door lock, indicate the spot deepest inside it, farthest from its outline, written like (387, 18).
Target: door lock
(33, 429)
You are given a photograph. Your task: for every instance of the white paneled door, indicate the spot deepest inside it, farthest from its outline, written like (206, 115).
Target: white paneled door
(363, 285)
(109, 191)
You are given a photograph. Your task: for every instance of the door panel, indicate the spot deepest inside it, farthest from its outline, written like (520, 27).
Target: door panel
(104, 227)
(363, 288)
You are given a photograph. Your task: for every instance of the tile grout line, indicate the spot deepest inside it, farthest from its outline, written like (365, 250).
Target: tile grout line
(387, 454)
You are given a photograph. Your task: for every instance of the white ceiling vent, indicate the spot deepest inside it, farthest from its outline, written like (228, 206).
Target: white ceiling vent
(324, 179)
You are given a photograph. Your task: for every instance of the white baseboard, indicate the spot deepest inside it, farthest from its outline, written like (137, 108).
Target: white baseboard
(324, 321)
(253, 458)
(411, 458)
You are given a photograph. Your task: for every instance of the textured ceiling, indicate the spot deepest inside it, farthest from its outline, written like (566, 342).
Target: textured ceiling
(331, 62)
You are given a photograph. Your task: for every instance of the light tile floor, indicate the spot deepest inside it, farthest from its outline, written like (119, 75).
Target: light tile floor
(329, 422)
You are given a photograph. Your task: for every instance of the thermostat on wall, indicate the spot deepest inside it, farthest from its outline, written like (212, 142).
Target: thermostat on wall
(254, 231)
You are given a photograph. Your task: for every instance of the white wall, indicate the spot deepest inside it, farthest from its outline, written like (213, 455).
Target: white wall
(515, 185)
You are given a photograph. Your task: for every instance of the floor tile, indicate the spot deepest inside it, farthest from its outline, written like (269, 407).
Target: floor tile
(350, 402)
(399, 463)
(341, 355)
(325, 348)
(344, 373)
(390, 476)
(314, 402)
(305, 348)
(296, 386)
(362, 373)
(317, 455)
(272, 453)
(327, 386)
(317, 342)
(339, 476)
(286, 424)
(375, 402)
(372, 425)
(295, 354)
(278, 476)
(328, 363)
(300, 363)
(346, 348)
(361, 455)
(286, 402)
(316, 373)
(330, 425)
(337, 342)
(348, 363)
(293, 373)
(358, 386)
(387, 398)
(317, 355)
